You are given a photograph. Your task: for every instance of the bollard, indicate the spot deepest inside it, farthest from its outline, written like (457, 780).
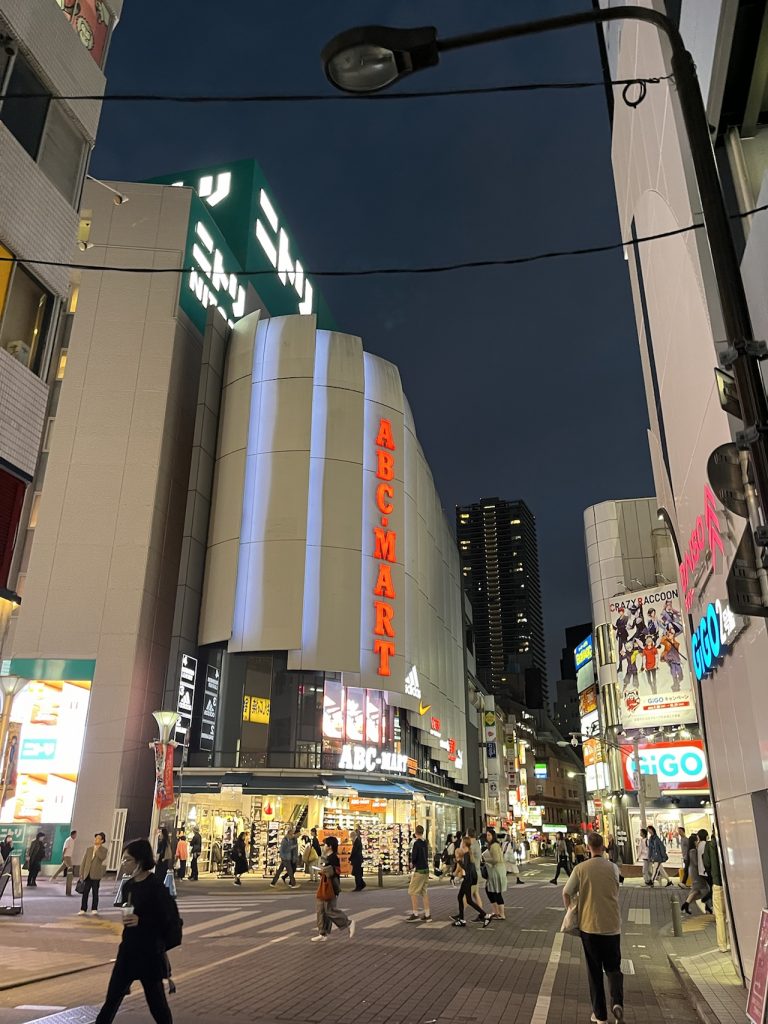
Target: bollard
(677, 917)
(68, 882)
(381, 877)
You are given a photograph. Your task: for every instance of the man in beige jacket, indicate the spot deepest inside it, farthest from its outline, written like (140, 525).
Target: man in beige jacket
(92, 870)
(596, 882)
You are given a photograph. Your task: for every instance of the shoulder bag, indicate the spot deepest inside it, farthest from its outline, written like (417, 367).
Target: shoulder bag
(325, 890)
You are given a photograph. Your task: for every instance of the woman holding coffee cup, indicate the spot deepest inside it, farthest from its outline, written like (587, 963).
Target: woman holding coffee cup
(148, 912)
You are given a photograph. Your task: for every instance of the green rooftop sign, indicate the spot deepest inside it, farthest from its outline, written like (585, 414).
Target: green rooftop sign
(250, 235)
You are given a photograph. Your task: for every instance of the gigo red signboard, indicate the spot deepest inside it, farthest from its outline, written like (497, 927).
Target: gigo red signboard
(679, 764)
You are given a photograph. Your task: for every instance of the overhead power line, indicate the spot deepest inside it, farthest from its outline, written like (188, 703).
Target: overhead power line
(482, 90)
(441, 268)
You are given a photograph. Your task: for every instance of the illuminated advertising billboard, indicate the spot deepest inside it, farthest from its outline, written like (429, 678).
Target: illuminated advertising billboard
(52, 715)
(678, 764)
(583, 658)
(655, 684)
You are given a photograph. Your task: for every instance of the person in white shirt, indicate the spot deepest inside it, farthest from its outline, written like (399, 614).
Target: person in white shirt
(67, 854)
(642, 856)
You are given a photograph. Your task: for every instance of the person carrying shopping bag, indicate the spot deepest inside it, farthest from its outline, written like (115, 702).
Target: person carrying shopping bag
(328, 913)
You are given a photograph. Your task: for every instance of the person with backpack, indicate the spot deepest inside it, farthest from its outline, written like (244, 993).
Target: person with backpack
(195, 849)
(151, 926)
(657, 857)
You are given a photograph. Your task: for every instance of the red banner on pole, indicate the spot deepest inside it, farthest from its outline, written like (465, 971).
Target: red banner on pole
(163, 775)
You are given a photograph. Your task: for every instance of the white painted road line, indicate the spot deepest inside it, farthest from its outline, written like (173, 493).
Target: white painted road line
(638, 916)
(252, 922)
(544, 998)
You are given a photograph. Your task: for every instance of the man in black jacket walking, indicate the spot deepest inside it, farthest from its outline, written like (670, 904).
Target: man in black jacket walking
(35, 858)
(195, 849)
(356, 860)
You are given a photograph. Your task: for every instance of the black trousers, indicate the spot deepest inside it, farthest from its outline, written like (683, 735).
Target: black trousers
(90, 885)
(193, 868)
(123, 973)
(465, 893)
(563, 864)
(603, 953)
(357, 874)
(34, 871)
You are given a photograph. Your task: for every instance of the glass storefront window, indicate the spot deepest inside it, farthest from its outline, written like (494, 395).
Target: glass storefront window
(24, 319)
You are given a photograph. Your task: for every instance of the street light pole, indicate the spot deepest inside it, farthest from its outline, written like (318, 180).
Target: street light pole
(10, 688)
(370, 58)
(166, 723)
(639, 782)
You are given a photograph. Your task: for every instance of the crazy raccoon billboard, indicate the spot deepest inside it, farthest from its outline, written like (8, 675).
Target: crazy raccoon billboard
(654, 676)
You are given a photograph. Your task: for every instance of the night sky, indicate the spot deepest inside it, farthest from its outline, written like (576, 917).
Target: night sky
(525, 382)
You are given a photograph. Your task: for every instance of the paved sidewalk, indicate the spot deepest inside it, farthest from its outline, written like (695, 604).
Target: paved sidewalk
(709, 977)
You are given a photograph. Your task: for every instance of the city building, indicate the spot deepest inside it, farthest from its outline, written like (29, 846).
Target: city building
(556, 784)
(573, 637)
(45, 146)
(693, 425)
(500, 570)
(566, 716)
(237, 524)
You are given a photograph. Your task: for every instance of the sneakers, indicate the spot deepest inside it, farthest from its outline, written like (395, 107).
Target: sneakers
(293, 885)
(427, 918)
(94, 912)
(319, 938)
(413, 917)
(520, 881)
(273, 885)
(351, 929)
(685, 908)
(487, 921)
(237, 882)
(618, 1011)
(81, 913)
(480, 917)
(460, 923)
(553, 881)
(596, 1020)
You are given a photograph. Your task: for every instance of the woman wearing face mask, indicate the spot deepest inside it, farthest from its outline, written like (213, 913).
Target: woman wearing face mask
(328, 913)
(150, 920)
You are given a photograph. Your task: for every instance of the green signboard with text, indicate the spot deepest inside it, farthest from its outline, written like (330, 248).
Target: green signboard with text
(236, 227)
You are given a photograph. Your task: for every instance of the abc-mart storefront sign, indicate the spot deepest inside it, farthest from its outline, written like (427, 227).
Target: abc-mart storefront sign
(679, 765)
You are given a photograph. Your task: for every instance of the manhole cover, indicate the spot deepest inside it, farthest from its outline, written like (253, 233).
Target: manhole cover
(76, 1015)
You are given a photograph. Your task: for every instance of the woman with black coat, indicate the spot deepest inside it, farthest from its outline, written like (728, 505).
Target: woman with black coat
(148, 911)
(239, 857)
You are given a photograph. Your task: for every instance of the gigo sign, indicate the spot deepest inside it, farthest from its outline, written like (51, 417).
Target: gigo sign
(369, 759)
(709, 644)
(678, 764)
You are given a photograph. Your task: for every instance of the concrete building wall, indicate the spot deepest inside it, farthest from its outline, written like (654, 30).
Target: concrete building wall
(680, 331)
(104, 566)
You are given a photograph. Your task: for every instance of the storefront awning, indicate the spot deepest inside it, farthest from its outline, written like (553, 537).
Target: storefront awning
(271, 785)
(382, 790)
(442, 796)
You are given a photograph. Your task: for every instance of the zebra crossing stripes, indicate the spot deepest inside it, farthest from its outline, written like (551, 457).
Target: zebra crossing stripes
(254, 922)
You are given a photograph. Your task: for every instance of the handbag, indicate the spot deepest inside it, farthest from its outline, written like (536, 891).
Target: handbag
(80, 886)
(570, 923)
(325, 890)
(484, 871)
(170, 884)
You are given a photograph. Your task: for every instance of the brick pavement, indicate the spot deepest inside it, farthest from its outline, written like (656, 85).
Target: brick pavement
(268, 972)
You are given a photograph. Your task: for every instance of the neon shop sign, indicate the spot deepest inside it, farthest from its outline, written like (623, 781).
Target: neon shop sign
(717, 629)
(272, 238)
(384, 550)
(706, 535)
(211, 284)
(369, 759)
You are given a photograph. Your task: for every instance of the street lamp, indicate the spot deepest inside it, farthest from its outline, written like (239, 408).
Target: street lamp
(572, 775)
(367, 59)
(10, 688)
(166, 723)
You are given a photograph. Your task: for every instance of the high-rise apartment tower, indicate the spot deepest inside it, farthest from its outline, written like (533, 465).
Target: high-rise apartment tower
(500, 569)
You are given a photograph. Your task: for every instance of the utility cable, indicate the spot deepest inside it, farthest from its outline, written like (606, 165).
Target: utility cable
(132, 97)
(385, 271)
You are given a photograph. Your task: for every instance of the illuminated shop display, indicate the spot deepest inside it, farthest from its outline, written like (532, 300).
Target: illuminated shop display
(52, 715)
